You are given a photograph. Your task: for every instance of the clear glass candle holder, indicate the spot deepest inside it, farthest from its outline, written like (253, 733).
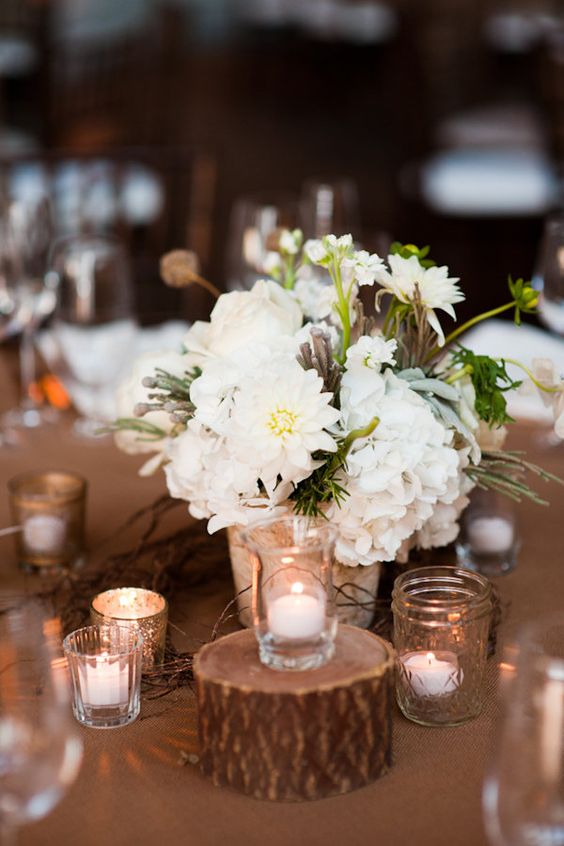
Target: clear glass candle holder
(50, 510)
(140, 610)
(488, 542)
(105, 669)
(441, 625)
(293, 601)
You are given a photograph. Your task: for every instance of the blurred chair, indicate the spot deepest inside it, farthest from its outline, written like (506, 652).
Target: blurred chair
(153, 200)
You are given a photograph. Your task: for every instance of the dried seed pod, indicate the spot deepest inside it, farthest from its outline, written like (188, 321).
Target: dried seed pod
(179, 268)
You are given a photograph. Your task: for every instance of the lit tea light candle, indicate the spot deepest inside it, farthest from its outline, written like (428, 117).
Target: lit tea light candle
(141, 609)
(489, 535)
(296, 615)
(44, 533)
(104, 682)
(431, 675)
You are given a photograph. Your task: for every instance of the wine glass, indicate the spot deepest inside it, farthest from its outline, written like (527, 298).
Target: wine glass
(26, 297)
(549, 275)
(94, 324)
(524, 792)
(254, 227)
(329, 207)
(40, 751)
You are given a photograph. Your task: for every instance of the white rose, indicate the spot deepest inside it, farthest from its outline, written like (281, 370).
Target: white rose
(132, 391)
(262, 314)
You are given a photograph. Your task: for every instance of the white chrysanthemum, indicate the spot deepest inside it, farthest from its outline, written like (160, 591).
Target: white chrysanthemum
(395, 476)
(436, 289)
(362, 266)
(279, 416)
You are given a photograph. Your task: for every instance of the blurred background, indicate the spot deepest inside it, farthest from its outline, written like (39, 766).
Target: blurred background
(206, 123)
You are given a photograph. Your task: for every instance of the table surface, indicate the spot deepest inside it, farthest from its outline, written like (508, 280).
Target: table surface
(134, 788)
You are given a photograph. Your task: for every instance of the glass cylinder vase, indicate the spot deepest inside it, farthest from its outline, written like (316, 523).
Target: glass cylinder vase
(441, 625)
(293, 603)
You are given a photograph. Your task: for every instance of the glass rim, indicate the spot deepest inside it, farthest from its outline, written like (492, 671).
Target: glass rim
(450, 576)
(318, 523)
(135, 635)
(125, 620)
(77, 492)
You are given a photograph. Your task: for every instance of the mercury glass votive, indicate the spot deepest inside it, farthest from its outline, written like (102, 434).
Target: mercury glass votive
(105, 669)
(50, 510)
(441, 625)
(293, 601)
(140, 610)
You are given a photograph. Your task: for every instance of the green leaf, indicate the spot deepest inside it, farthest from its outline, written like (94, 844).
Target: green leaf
(491, 381)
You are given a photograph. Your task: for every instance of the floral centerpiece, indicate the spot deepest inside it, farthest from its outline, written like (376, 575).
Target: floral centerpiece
(290, 396)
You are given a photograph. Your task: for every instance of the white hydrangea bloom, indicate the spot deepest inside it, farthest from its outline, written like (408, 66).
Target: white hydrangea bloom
(442, 527)
(436, 289)
(396, 475)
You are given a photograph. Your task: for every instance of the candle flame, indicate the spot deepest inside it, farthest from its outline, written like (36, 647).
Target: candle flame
(430, 657)
(287, 559)
(127, 600)
(297, 587)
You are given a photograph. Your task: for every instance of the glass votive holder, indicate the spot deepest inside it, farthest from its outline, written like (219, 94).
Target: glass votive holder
(488, 541)
(293, 602)
(441, 625)
(105, 669)
(140, 610)
(50, 509)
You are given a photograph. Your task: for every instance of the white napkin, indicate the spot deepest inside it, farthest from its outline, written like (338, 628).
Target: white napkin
(501, 339)
(89, 398)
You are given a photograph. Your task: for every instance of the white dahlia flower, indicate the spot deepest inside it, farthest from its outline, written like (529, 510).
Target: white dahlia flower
(436, 289)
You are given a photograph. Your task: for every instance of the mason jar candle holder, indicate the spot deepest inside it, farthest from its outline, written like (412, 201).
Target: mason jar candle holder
(140, 610)
(441, 625)
(105, 669)
(49, 509)
(293, 602)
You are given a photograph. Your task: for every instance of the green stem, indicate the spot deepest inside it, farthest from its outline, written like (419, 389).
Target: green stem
(342, 309)
(465, 326)
(360, 433)
(556, 389)
(459, 374)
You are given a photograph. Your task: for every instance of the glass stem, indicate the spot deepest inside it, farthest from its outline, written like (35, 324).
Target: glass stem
(27, 366)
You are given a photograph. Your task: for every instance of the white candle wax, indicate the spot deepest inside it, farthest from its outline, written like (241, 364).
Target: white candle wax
(490, 535)
(103, 682)
(44, 533)
(296, 615)
(432, 676)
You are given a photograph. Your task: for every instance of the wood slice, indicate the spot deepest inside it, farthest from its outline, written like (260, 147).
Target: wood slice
(295, 735)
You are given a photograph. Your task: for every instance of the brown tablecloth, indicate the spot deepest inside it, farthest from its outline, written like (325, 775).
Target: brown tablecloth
(132, 789)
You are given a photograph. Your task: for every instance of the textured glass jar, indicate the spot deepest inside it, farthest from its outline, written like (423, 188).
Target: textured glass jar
(293, 601)
(441, 625)
(137, 609)
(50, 509)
